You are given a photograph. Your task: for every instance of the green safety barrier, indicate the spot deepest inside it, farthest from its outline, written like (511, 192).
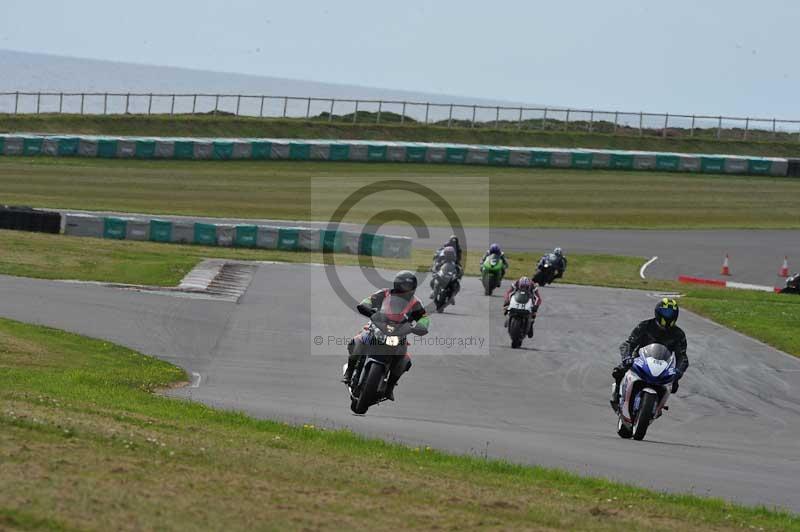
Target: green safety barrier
(331, 241)
(299, 152)
(115, 228)
(498, 157)
(582, 160)
(376, 152)
(68, 147)
(416, 154)
(540, 158)
(145, 149)
(339, 152)
(107, 148)
(759, 166)
(184, 149)
(455, 155)
(32, 145)
(2, 144)
(205, 234)
(669, 163)
(712, 165)
(246, 236)
(371, 245)
(261, 150)
(288, 238)
(222, 151)
(160, 231)
(621, 161)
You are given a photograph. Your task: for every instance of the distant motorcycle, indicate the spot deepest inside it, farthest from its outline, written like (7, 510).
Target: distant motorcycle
(520, 314)
(444, 284)
(547, 271)
(792, 285)
(644, 391)
(491, 274)
(387, 341)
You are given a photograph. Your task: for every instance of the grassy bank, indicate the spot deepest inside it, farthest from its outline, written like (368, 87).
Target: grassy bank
(771, 318)
(507, 197)
(86, 445)
(228, 126)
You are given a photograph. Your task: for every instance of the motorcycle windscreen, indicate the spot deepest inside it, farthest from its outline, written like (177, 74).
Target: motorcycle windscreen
(395, 307)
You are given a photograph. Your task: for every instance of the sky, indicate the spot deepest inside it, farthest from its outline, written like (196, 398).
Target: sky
(734, 57)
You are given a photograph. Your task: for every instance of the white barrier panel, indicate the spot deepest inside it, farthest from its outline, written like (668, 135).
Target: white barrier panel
(225, 235)
(182, 232)
(309, 239)
(83, 225)
(137, 229)
(267, 237)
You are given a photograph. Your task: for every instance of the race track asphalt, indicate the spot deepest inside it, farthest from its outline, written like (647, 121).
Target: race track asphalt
(755, 255)
(732, 432)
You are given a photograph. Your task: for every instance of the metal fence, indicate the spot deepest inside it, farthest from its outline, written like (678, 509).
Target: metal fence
(404, 112)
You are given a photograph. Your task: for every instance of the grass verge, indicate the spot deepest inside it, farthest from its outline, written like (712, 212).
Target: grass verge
(85, 444)
(483, 196)
(227, 126)
(771, 318)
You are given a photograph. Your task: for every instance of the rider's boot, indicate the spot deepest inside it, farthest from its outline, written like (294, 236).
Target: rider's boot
(390, 387)
(530, 328)
(615, 397)
(351, 362)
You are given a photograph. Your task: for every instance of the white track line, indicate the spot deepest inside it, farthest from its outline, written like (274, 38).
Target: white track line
(645, 265)
(196, 384)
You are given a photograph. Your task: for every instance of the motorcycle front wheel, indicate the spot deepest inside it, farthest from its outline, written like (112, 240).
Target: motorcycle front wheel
(369, 391)
(515, 331)
(644, 416)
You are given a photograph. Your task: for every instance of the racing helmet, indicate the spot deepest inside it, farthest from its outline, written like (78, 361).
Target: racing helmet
(452, 241)
(558, 252)
(494, 249)
(524, 283)
(666, 313)
(449, 253)
(404, 282)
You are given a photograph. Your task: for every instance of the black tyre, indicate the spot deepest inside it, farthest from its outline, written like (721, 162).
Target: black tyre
(622, 430)
(369, 391)
(644, 416)
(515, 331)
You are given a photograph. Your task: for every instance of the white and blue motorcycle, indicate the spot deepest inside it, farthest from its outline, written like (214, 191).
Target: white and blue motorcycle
(644, 390)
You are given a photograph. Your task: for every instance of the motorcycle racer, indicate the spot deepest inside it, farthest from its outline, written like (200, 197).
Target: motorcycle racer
(528, 286)
(495, 250)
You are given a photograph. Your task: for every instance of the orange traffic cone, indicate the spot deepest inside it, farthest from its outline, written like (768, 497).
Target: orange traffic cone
(726, 270)
(785, 268)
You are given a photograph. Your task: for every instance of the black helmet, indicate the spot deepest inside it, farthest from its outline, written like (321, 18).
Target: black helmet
(405, 281)
(666, 313)
(453, 240)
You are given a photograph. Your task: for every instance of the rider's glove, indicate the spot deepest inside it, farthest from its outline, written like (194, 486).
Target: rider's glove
(628, 361)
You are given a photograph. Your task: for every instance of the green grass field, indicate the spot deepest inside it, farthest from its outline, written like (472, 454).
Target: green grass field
(771, 318)
(512, 197)
(227, 126)
(85, 444)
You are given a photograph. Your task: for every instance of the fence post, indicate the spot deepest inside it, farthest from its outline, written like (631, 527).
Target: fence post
(691, 133)
(60, 102)
(127, 102)
(149, 104)
(474, 110)
(616, 121)
(666, 125)
(16, 102)
(641, 123)
(450, 116)
(261, 108)
(403, 116)
(105, 104)
(172, 106)
(719, 128)
(285, 105)
(216, 104)
(544, 119)
(238, 103)
(194, 103)
(427, 110)
(355, 112)
(38, 101)
(746, 127)
(308, 108)
(774, 134)
(378, 118)
(497, 118)
(566, 122)
(591, 121)
(83, 95)
(330, 115)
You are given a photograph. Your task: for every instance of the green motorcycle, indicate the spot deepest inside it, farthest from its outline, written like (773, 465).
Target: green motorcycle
(491, 273)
